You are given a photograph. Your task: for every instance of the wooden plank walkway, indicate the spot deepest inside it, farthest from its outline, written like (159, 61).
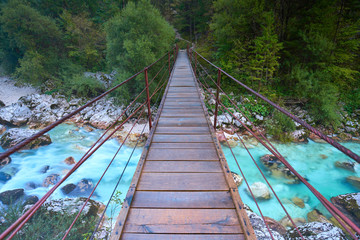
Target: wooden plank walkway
(182, 187)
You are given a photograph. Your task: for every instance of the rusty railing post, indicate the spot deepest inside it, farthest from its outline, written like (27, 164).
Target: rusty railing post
(195, 63)
(174, 56)
(169, 63)
(217, 97)
(148, 96)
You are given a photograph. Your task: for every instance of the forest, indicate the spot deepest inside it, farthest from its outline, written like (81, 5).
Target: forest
(289, 50)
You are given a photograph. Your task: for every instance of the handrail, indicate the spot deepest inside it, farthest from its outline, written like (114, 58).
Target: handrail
(331, 141)
(25, 142)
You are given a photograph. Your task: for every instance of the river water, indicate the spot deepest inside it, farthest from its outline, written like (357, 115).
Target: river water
(313, 160)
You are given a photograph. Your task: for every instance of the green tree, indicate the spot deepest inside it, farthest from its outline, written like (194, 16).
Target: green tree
(135, 38)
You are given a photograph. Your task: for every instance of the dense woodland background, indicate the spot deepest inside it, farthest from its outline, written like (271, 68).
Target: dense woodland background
(302, 51)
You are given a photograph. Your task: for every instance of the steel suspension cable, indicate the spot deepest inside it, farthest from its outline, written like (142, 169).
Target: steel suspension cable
(343, 149)
(120, 177)
(283, 207)
(322, 199)
(20, 145)
(45, 197)
(23, 219)
(78, 215)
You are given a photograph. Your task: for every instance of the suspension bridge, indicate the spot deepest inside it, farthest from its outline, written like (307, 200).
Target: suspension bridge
(182, 187)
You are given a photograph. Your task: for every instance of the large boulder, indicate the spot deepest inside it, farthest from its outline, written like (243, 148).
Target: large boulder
(17, 135)
(16, 114)
(349, 204)
(317, 231)
(298, 202)
(260, 229)
(286, 222)
(73, 205)
(260, 191)
(278, 169)
(11, 196)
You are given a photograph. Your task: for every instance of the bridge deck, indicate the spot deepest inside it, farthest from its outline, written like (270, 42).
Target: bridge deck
(182, 188)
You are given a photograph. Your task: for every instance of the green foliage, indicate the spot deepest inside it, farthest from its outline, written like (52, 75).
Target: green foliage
(281, 127)
(82, 86)
(85, 41)
(47, 226)
(137, 37)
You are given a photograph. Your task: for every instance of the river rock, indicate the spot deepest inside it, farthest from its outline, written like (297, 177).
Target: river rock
(88, 128)
(2, 104)
(11, 196)
(274, 225)
(348, 165)
(355, 181)
(16, 135)
(5, 161)
(285, 222)
(44, 169)
(270, 161)
(349, 204)
(298, 202)
(316, 216)
(345, 136)
(278, 169)
(237, 178)
(83, 188)
(221, 137)
(68, 188)
(260, 191)
(2, 129)
(31, 200)
(317, 231)
(4, 177)
(316, 138)
(260, 229)
(69, 160)
(16, 114)
(51, 180)
(231, 143)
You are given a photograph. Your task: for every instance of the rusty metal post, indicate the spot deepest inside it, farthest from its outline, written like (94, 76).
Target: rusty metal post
(169, 63)
(217, 97)
(174, 56)
(148, 96)
(195, 63)
(187, 49)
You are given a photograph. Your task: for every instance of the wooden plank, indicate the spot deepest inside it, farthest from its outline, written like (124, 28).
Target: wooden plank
(140, 236)
(182, 145)
(183, 111)
(180, 122)
(181, 138)
(182, 166)
(183, 181)
(175, 99)
(182, 221)
(182, 130)
(182, 154)
(178, 115)
(186, 200)
(178, 103)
